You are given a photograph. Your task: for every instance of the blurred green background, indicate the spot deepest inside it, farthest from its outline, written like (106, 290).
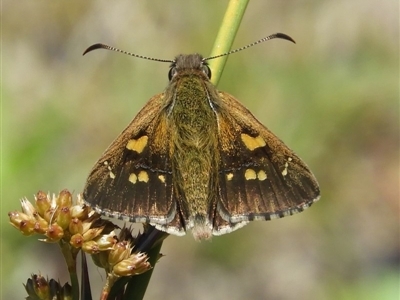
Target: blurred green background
(333, 98)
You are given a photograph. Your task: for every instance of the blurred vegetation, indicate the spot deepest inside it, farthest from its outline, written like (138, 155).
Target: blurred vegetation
(333, 97)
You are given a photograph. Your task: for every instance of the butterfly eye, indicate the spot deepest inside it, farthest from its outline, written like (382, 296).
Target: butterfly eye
(171, 73)
(207, 71)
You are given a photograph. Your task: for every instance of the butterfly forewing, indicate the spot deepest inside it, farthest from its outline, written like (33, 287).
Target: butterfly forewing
(119, 184)
(260, 177)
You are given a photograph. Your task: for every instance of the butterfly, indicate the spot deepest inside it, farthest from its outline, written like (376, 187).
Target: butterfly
(194, 158)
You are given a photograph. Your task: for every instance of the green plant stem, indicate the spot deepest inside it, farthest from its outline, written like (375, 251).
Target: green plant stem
(70, 255)
(111, 279)
(226, 35)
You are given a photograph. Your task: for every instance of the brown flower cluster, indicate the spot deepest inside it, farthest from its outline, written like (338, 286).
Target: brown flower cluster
(80, 227)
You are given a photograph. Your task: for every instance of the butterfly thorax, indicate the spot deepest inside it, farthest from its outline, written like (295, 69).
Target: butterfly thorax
(194, 132)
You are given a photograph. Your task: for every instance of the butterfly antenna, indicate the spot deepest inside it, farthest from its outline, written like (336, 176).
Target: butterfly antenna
(103, 46)
(270, 37)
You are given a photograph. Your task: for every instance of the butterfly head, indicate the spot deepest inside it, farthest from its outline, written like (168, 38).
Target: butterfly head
(189, 63)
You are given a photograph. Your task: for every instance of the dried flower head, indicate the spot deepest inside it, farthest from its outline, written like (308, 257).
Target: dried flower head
(38, 287)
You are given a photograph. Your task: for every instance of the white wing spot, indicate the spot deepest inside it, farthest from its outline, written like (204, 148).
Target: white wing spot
(285, 170)
(111, 174)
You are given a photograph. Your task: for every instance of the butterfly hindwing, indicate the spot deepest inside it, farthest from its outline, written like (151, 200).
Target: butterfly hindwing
(133, 178)
(260, 178)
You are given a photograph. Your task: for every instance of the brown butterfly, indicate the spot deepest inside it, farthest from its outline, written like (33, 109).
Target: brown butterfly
(195, 158)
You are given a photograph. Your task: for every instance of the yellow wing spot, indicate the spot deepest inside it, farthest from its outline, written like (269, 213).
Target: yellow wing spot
(162, 178)
(262, 175)
(252, 142)
(133, 178)
(143, 176)
(250, 174)
(112, 175)
(137, 145)
(229, 176)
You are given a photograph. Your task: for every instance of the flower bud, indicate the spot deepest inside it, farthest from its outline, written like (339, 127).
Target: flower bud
(42, 202)
(90, 247)
(64, 217)
(41, 225)
(119, 252)
(75, 226)
(22, 222)
(41, 287)
(76, 240)
(136, 264)
(64, 199)
(54, 233)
